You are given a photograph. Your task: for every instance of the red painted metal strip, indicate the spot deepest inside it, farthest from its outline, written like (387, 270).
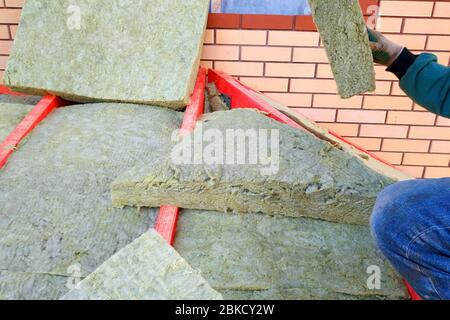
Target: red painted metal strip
(39, 112)
(242, 98)
(6, 90)
(412, 293)
(166, 222)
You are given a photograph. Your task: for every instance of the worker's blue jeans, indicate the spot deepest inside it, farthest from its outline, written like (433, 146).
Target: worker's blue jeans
(411, 225)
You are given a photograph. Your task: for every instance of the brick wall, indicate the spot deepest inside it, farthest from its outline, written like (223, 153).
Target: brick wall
(282, 56)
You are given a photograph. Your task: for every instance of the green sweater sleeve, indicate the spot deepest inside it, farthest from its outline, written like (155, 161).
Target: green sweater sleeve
(424, 81)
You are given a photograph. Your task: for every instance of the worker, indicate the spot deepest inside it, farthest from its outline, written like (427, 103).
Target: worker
(411, 219)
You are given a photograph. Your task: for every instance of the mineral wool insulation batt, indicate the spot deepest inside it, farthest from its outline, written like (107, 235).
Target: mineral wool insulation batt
(344, 34)
(143, 52)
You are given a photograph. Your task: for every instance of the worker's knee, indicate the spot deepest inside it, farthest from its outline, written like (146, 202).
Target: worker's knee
(394, 215)
(385, 217)
(405, 209)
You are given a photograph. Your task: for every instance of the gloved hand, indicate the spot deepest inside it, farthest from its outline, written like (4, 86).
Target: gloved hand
(384, 51)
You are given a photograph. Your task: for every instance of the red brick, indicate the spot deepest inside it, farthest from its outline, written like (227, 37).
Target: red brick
(441, 121)
(310, 55)
(209, 37)
(245, 37)
(293, 38)
(427, 26)
(292, 99)
(9, 16)
(335, 101)
(396, 90)
(438, 43)
(361, 116)
(390, 24)
(437, 172)
(438, 133)
(442, 9)
(412, 42)
(322, 115)
(266, 84)
(214, 52)
(440, 147)
(220, 20)
(3, 62)
(410, 117)
(383, 88)
(240, 68)
(382, 74)
(427, 159)
(5, 46)
(370, 144)
(406, 8)
(13, 29)
(405, 145)
(266, 54)
(415, 171)
(343, 129)
(313, 86)
(390, 157)
(206, 64)
(290, 70)
(381, 102)
(256, 21)
(14, 3)
(324, 71)
(305, 23)
(387, 131)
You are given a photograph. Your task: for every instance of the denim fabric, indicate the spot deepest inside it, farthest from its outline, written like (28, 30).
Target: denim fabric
(282, 7)
(411, 225)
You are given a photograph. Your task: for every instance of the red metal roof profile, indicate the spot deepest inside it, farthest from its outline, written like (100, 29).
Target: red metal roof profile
(166, 222)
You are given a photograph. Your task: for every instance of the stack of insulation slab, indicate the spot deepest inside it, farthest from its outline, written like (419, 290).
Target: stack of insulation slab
(298, 233)
(55, 202)
(56, 218)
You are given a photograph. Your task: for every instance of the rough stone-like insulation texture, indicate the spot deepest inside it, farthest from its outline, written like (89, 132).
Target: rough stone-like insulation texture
(343, 31)
(147, 269)
(124, 50)
(310, 125)
(55, 200)
(257, 256)
(314, 178)
(10, 116)
(31, 286)
(29, 100)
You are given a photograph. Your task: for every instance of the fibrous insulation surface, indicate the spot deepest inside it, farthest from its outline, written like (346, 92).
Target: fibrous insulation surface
(343, 31)
(306, 177)
(257, 256)
(11, 114)
(56, 216)
(147, 269)
(109, 50)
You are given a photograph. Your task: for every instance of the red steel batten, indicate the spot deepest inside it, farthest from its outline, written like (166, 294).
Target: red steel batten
(166, 222)
(39, 112)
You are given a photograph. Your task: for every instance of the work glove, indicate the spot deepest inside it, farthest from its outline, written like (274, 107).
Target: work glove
(384, 51)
